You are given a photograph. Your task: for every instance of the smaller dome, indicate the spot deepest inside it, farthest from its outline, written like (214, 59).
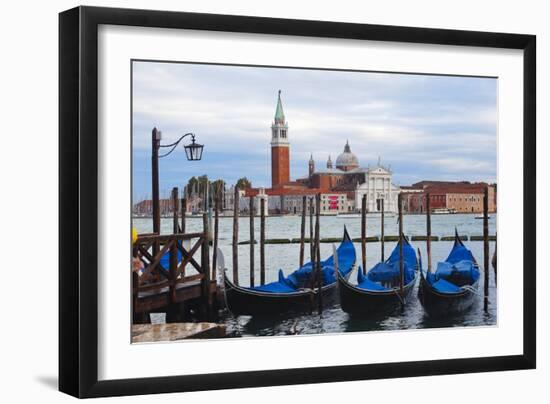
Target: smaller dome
(347, 160)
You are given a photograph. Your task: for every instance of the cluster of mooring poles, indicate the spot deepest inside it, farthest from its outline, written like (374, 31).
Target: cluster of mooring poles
(382, 253)
(312, 206)
(235, 243)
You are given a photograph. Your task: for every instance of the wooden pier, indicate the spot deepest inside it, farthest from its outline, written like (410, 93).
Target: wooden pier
(169, 289)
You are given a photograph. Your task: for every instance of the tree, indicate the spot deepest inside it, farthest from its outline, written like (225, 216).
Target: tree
(243, 183)
(197, 184)
(217, 186)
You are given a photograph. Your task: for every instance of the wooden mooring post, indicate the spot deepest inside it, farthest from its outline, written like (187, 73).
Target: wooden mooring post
(205, 265)
(486, 249)
(216, 230)
(318, 253)
(303, 230)
(428, 232)
(311, 240)
(262, 241)
(364, 233)
(183, 211)
(401, 241)
(494, 260)
(175, 207)
(173, 315)
(236, 237)
(382, 230)
(251, 209)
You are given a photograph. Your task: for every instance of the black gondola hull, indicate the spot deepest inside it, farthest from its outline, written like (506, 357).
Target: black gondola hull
(246, 301)
(356, 301)
(439, 304)
(243, 301)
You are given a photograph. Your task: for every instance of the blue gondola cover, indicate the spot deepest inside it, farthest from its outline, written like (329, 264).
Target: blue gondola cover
(301, 278)
(389, 271)
(459, 269)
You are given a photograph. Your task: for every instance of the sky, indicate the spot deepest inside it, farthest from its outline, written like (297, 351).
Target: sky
(423, 126)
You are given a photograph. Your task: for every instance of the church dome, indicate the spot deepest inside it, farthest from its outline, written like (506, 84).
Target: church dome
(347, 160)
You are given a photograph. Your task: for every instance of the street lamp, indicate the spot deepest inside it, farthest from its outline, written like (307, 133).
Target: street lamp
(193, 152)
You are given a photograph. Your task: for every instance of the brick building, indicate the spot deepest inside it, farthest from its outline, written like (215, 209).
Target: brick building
(450, 197)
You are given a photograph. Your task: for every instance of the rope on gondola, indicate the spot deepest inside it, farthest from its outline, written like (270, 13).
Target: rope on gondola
(471, 289)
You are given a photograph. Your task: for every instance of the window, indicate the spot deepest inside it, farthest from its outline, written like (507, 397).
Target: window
(283, 133)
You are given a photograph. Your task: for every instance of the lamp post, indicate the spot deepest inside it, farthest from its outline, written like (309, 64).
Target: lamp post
(193, 152)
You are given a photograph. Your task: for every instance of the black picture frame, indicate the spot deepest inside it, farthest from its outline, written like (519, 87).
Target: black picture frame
(78, 196)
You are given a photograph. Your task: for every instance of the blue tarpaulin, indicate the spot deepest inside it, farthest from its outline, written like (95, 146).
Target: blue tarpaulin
(388, 272)
(459, 269)
(302, 277)
(363, 282)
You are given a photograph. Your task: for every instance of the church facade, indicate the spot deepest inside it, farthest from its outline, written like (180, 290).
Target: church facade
(341, 184)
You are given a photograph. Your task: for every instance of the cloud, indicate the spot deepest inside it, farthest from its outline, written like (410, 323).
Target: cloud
(425, 126)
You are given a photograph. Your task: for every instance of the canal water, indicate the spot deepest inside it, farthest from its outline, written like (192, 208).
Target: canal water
(333, 319)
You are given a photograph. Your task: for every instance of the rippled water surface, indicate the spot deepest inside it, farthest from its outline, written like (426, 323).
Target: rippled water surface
(333, 319)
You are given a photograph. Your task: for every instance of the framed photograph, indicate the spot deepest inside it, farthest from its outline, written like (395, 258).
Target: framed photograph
(290, 201)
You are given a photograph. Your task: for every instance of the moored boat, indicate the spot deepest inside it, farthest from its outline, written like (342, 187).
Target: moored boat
(296, 292)
(452, 287)
(380, 289)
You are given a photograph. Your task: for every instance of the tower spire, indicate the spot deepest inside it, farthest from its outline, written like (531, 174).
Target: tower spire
(329, 162)
(347, 149)
(311, 165)
(280, 156)
(279, 114)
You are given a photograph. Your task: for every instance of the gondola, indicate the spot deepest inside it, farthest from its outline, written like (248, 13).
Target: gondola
(453, 286)
(293, 293)
(379, 290)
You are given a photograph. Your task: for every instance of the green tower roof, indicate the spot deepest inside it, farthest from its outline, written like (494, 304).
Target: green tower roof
(279, 114)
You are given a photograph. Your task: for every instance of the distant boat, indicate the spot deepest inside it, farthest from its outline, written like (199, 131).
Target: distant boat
(386, 214)
(443, 211)
(349, 216)
(358, 215)
(481, 216)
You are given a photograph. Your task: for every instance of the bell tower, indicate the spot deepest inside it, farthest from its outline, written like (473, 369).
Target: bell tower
(280, 147)
(311, 165)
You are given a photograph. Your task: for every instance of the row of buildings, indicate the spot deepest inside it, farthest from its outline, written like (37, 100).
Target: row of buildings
(343, 184)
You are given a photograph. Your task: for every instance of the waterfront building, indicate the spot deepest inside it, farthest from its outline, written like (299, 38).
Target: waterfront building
(446, 196)
(341, 185)
(379, 189)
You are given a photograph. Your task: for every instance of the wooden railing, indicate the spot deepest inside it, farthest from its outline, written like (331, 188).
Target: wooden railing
(157, 277)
